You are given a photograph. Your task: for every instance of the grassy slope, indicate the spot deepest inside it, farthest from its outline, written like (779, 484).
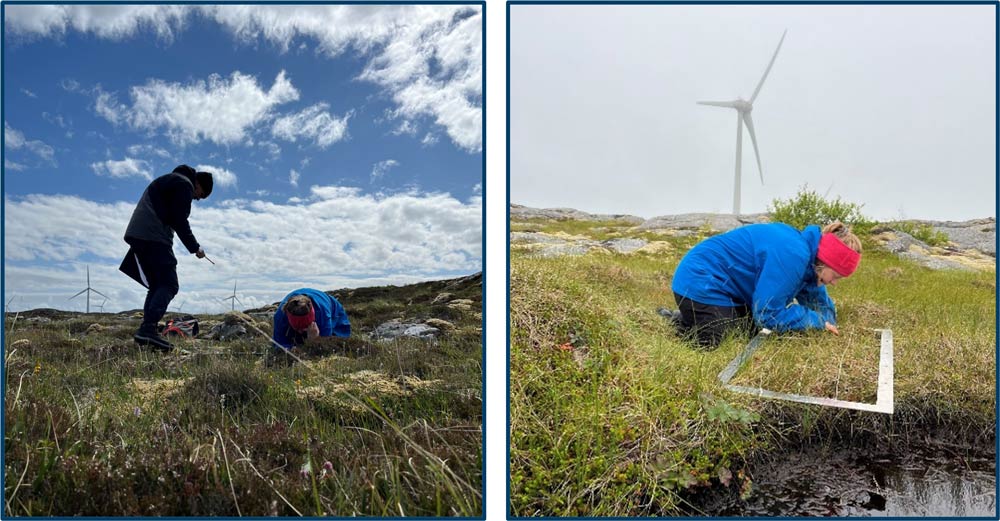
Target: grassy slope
(626, 416)
(96, 427)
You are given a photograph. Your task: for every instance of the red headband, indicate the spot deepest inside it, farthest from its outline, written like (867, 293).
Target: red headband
(301, 322)
(835, 254)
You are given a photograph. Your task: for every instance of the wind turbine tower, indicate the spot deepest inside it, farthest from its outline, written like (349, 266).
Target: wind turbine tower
(743, 109)
(233, 298)
(87, 290)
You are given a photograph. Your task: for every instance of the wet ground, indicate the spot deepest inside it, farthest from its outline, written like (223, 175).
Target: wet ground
(824, 481)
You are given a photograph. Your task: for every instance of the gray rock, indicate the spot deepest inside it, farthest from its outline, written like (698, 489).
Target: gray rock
(518, 212)
(535, 238)
(395, 329)
(442, 298)
(565, 249)
(978, 234)
(224, 331)
(902, 242)
(624, 245)
(695, 221)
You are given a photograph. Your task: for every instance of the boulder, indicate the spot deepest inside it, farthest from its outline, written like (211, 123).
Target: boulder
(443, 325)
(395, 329)
(442, 298)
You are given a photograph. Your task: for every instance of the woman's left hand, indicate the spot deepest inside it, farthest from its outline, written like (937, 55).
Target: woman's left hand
(832, 328)
(313, 331)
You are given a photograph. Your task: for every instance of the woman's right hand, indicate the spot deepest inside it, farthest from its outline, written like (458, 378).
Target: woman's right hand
(832, 328)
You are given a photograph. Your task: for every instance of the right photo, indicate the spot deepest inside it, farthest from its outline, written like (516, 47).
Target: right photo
(752, 260)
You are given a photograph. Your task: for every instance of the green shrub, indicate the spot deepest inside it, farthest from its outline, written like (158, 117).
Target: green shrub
(808, 207)
(922, 232)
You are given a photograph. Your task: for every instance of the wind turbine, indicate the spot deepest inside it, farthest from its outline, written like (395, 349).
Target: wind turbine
(233, 298)
(87, 290)
(743, 110)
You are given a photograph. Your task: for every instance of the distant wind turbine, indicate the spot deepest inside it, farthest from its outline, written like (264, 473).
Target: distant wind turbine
(233, 298)
(743, 110)
(87, 290)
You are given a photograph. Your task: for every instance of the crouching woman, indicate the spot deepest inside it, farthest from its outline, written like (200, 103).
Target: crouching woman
(771, 275)
(306, 314)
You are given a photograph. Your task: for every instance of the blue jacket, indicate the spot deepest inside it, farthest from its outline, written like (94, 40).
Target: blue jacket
(331, 318)
(765, 266)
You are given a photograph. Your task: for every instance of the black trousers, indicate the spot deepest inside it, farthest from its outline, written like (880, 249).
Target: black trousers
(708, 324)
(159, 266)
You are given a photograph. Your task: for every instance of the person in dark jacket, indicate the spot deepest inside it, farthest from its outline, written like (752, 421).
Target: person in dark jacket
(769, 274)
(306, 314)
(162, 211)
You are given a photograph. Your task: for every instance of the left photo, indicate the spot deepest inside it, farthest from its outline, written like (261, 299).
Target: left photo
(243, 260)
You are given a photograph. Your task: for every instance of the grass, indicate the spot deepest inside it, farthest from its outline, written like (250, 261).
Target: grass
(96, 427)
(612, 414)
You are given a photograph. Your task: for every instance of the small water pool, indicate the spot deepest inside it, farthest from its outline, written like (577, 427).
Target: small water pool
(827, 481)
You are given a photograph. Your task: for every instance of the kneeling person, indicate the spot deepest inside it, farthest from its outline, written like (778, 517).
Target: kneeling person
(305, 314)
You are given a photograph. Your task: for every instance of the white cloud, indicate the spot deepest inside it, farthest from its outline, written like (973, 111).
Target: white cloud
(407, 127)
(435, 47)
(70, 85)
(314, 123)
(428, 58)
(15, 140)
(429, 139)
(114, 22)
(125, 168)
(293, 177)
(219, 110)
(220, 176)
(148, 150)
(381, 168)
(337, 237)
(11, 165)
(28, 93)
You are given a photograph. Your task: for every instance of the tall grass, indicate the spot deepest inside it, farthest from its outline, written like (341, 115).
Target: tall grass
(101, 428)
(612, 414)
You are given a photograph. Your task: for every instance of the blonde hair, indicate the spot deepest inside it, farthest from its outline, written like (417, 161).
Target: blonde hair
(299, 305)
(846, 236)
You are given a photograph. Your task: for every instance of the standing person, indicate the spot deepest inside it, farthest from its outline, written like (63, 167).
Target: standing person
(305, 314)
(753, 273)
(162, 210)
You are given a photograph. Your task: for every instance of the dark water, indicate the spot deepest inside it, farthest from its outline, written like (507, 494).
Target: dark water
(845, 482)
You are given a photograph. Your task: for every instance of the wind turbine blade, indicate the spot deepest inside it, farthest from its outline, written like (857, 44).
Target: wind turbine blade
(753, 139)
(78, 294)
(99, 293)
(764, 77)
(729, 104)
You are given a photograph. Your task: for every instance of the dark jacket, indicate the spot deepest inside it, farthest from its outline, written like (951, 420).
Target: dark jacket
(764, 266)
(164, 209)
(331, 318)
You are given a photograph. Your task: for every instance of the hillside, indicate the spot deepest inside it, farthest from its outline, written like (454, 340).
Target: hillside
(614, 414)
(385, 423)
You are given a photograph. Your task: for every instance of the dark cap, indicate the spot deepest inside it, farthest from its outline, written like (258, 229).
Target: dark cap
(205, 180)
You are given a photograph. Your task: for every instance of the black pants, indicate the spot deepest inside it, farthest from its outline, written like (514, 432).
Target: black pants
(159, 266)
(708, 324)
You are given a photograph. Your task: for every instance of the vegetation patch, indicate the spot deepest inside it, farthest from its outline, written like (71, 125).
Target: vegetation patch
(613, 414)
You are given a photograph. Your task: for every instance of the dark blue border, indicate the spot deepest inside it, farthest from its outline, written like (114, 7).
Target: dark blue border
(482, 338)
(996, 352)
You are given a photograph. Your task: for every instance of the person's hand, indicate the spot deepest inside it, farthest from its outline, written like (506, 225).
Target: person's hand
(832, 328)
(312, 332)
(200, 253)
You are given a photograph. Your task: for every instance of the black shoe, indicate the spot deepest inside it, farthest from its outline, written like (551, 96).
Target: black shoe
(153, 339)
(673, 315)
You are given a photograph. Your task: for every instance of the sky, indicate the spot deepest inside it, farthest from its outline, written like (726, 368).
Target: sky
(888, 106)
(345, 141)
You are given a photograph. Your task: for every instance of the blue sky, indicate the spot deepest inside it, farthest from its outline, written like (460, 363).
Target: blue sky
(346, 143)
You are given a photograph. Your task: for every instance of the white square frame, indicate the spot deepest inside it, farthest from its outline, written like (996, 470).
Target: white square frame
(884, 400)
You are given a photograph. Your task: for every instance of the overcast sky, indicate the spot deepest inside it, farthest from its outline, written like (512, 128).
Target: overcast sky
(346, 143)
(892, 106)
